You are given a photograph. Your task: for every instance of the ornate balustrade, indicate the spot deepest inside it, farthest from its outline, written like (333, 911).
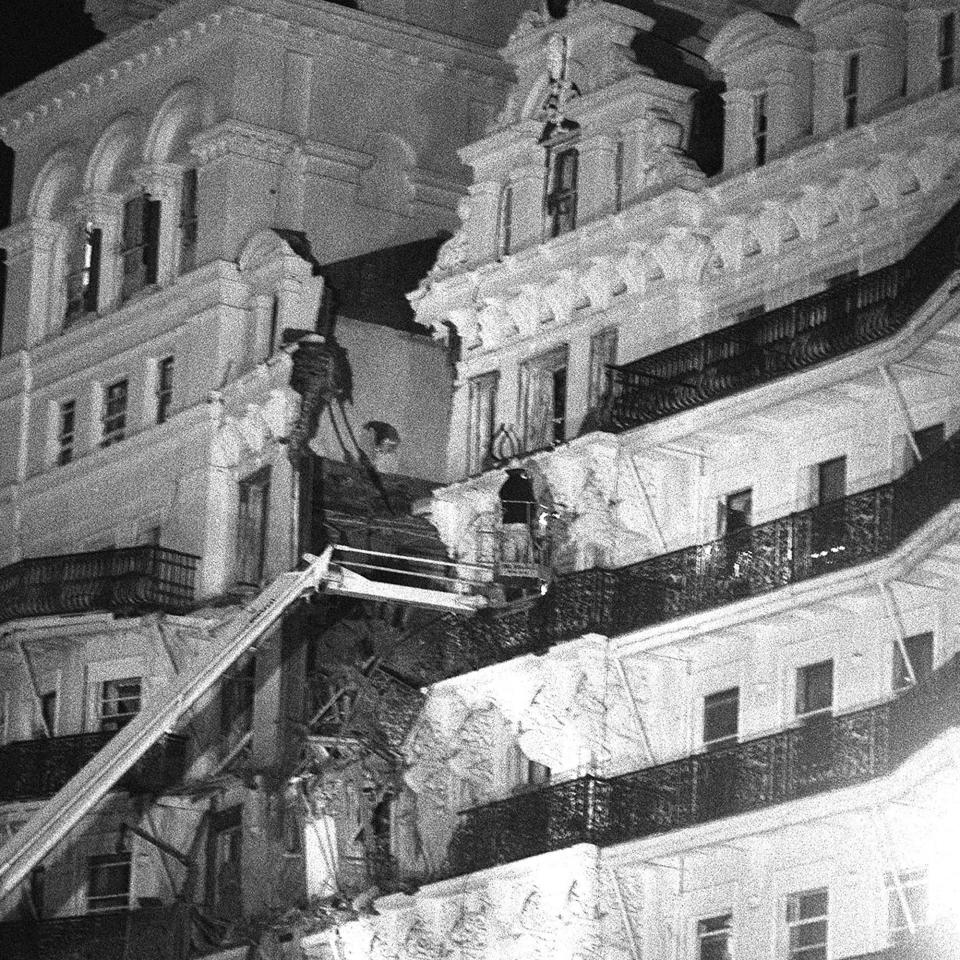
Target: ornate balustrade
(34, 769)
(779, 342)
(129, 578)
(798, 762)
(148, 934)
(748, 563)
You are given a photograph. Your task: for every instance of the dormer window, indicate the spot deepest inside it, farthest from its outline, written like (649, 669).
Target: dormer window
(83, 279)
(561, 199)
(140, 244)
(759, 129)
(946, 41)
(851, 90)
(505, 222)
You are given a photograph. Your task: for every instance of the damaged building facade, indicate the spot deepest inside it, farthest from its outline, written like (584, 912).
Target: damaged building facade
(691, 481)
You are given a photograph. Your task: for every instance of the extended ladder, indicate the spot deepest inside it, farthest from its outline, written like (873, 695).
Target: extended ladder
(57, 817)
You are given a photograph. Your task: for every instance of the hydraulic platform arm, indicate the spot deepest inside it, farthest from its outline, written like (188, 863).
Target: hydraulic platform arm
(61, 813)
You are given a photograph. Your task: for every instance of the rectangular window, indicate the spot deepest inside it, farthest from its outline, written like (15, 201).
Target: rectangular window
(736, 512)
(140, 244)
(919, 650)
(114, 413)
(164, 388)
(832, 480)
(851, 90)
(721, 717)
(252, 511)
(807, 924)
(480, 425)
(108, 882)
(225, 863)
(815, 689)
(603, 354)
(927, 441)
(946, 43)
(912, 893)
(760, 129)
(505, 222)
(188, 222)
(561, 200)
(66, 432)
(236, 702)
(713, 937)
(83, 280)
(544, 391)
(619, 166)
(119, 703)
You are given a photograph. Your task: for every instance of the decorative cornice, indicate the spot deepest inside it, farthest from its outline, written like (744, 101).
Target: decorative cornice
(245, 139)
(116, 59)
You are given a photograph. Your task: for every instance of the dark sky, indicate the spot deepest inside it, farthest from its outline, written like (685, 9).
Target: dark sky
(37, 35)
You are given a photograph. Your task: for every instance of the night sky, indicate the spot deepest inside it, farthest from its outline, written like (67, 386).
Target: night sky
(37, 35)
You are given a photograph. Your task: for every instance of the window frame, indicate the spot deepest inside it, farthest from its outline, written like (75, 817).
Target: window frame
(113, 418)
(538, 376)
(482, 397)
(139, 252)
(257, 526)
(66, 431)
(716, 701)
(706, 934)
(916, 879)
(946, 50)
(84, 276)
(560, 200)
(802, 691)
(115, 722)
(164, 389)
(793, 904)
(109, 860)
(760, 127)
(851, 90)
(619, 175)
(505, 222)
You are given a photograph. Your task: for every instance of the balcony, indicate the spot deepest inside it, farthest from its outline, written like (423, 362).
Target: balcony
(799, 762)
(127, 580)
(36, 769)
(782, 341)
(749, 563)
(147, 934)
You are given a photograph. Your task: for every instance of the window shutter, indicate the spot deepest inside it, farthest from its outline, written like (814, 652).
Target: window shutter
(91, 296)
(151, 239)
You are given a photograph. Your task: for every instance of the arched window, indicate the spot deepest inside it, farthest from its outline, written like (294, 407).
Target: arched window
(563, 161)
(505, 222)
(83, 274)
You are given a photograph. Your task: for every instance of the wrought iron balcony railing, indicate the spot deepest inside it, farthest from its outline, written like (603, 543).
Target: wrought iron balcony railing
(781, 341)
(798, 762)
(160, 933)
(34, 769)
(748, 563)
(127, 579)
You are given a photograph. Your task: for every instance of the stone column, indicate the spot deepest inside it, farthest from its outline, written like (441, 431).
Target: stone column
(164, 182)
(596, 188)
(34, 247)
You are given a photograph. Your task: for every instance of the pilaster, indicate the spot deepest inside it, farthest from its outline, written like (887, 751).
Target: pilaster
(597, 194)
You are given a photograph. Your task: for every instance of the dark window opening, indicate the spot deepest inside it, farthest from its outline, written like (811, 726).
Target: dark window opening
(807, 924)
(164, 389)
(721, 713)
(140, 244)
(66, 433)
(505, 222)
(236, 703)
(47, 725)
(713, 937)
(538, 774)
(832, 480)
(946, 43)
(618, 177)
(225, 864)
(252, 513)
(736, 513)
(561, 199)
(927, 441)
(114, 413)
(119, 703)
(919, 650)
(188, 221)
(108, 882)
(815, 689)
(760, 129)
(83, 279)
(851, 91)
